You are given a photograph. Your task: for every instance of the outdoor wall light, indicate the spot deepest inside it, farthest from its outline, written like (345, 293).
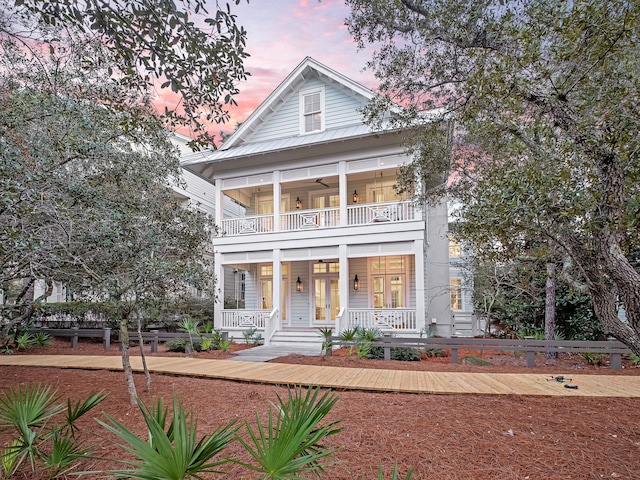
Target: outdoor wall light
(356, 283)
(299, 285)
(298, 203)
(355, 196)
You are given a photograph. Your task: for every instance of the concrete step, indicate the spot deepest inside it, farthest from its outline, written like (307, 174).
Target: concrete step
(297, 336)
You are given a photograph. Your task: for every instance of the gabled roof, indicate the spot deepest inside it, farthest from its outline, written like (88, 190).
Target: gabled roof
(307, 68)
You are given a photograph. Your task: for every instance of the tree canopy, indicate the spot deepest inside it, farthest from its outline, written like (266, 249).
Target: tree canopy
(86, 197)
(544, 96)
(175, 47)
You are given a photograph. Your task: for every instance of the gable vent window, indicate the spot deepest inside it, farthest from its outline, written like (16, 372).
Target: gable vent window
(312, 103)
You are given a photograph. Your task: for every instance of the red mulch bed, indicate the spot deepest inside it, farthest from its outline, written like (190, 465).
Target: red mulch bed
(442, 436)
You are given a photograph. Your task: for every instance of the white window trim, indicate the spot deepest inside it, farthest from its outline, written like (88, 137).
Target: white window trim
(323, 112)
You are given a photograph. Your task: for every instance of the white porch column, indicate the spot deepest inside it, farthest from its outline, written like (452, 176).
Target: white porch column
(418, 261)
(277, 195)
(277, 285)
(344, 194)
(219, 276)
(345, 278)
(218, 197)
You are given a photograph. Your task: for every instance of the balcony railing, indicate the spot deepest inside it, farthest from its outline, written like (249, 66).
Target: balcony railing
(298, 220)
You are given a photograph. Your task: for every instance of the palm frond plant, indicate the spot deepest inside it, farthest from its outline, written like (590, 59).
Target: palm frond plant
(25, 340)
(395, 473)
(291, 443)
(192, 327)
(249, 334)
(205, 344)
(349, 335)
(173, 451)
(42, 440)
(42, 339)
(327, 344)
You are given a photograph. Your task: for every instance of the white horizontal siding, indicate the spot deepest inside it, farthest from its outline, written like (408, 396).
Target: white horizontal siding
(340, 110)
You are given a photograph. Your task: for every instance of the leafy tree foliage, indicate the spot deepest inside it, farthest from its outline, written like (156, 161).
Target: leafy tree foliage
(86, 176)
(174, 45)
(545, 96)
(511, 297)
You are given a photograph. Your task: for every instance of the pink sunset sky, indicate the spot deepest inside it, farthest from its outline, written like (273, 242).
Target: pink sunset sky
(280, 34)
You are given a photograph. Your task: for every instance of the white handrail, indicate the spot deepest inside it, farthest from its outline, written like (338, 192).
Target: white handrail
(338, 322)
(271, 326)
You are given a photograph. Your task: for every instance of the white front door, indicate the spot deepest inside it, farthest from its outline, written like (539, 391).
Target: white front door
(326, 292)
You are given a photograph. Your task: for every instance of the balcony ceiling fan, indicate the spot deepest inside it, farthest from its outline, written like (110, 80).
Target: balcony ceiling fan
(319, 180)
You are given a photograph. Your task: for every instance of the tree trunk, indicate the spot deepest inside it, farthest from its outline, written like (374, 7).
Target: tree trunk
(126, 362)
(550, 307)
(147, 375)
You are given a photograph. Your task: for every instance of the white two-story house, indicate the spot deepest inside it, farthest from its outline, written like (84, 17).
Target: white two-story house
(321, 238)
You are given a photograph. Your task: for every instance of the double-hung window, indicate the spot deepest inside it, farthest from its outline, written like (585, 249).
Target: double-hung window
(311, 109)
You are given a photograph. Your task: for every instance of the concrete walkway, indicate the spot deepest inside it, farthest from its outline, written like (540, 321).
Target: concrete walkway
(378, 380)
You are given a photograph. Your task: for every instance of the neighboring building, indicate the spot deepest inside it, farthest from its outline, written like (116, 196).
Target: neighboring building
(337, 247)
(463, 321)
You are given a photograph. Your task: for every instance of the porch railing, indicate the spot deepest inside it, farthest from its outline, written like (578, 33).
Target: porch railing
(310, 219)
(245, 319)
(246, 225)
(380, 213)
(298, 220)
(381, 318)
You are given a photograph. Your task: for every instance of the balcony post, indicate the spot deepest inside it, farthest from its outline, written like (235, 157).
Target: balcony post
(344, 192)
(421, 312)
(277, 286)
(277, 194)
(344, 279)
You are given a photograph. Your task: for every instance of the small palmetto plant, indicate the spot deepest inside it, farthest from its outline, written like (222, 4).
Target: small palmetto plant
(290, 445)
(349, 335)
(49, 446)
(205, 344)
(327, 344)
(192, 327)
(25, 340)
(42, 339)
(172, 451)
(395, 473)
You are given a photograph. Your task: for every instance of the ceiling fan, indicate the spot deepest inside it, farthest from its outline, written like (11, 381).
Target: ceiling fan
(319, 180)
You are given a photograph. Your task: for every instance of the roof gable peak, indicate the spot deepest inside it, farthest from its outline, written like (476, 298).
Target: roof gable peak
(309, 67)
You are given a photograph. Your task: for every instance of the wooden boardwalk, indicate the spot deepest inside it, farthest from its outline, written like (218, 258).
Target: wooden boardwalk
(379, 380)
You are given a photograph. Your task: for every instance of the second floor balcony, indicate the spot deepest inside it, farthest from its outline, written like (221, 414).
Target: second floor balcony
(320, 218)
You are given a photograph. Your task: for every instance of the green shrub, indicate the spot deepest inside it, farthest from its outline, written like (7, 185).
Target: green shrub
(403, 354)
(182, 345)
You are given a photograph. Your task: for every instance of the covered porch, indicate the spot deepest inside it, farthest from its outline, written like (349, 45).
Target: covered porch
(338, 292)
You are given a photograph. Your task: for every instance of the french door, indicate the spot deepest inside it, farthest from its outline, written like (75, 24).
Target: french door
(326, 291)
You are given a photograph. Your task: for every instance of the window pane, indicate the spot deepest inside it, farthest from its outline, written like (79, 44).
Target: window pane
(456, 294)
(454, 249)
(266, 270)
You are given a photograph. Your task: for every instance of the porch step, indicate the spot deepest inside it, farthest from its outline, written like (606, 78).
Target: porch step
(309, 337)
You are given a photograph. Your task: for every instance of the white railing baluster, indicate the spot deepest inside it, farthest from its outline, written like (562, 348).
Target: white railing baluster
(382, 318)
(361, 214)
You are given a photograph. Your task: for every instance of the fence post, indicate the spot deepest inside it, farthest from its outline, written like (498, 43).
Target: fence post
(106, 338)
(154, 341)
(386, 346)
(74, 338)
(531, 359)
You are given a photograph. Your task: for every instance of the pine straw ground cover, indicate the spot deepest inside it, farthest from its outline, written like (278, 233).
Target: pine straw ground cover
(442, 436)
